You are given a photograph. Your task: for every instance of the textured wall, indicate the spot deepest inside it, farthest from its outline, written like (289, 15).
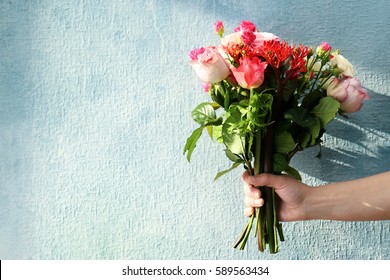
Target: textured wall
(95, 102)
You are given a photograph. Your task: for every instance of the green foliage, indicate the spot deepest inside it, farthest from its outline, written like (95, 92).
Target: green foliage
(231, 135)
(284, 142)
(326, 110)
(300, 127)
(204, 114)
(219, 174)
(191, 142)
(281, 165)
(247, 112)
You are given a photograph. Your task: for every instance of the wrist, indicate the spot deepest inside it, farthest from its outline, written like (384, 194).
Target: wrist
(317, 204)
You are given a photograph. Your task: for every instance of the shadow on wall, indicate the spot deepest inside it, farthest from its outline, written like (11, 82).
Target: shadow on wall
(353, 148)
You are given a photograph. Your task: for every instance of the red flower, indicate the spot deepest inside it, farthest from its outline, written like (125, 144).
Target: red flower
(298, 61)
(238, 51)
(275, 52)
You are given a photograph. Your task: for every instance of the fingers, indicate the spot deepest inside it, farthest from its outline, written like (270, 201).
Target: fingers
(249, 211)
(254, 202)
(251, 191)
(265, 179)
(252, 199)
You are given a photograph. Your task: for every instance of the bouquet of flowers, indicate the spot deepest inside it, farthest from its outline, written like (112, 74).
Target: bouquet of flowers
(269, 100)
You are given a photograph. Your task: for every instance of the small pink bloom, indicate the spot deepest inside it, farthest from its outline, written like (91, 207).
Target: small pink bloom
(250, 73)
(326, 47)
(349, 92)
(209, 64)
(245, 25)
(323, 49)
(236, 38)
(219, 28)
(206, 87)
(248, 37)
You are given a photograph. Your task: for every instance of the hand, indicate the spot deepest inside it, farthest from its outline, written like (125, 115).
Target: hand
(293, 195)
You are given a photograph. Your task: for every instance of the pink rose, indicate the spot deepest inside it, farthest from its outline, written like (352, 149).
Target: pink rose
(209, 64)
(349, 92)
(234, 38)
(250, 73)
(261, 37)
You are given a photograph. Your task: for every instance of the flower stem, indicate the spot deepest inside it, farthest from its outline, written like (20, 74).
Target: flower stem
(271, 219)
(258, 169)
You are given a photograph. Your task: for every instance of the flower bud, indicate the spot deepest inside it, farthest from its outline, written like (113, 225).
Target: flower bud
(219, 28)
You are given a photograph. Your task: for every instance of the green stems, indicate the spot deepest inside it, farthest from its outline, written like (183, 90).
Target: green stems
(259, 212)
(268, 227)
(271, 219)
(267, 224)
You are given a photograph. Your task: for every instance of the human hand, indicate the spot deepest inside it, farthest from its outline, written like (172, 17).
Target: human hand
(293, 195)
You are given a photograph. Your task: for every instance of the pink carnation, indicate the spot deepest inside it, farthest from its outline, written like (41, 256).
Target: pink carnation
(245, 26)
(326, 47)
(248, 37)
(219, 28)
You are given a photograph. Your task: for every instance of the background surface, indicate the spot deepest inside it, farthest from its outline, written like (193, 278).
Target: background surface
(95, 103)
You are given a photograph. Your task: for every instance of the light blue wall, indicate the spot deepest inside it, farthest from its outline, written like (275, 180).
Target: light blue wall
(95, 102)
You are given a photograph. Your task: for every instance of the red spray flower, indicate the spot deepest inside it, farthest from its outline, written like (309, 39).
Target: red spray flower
(275, 52)
(298, 61)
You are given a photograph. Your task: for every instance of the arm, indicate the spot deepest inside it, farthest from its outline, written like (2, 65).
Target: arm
(356, 200)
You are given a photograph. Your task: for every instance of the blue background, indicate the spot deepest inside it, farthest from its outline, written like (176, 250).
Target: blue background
(95, 103)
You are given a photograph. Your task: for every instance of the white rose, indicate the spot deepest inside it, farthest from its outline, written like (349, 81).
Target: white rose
(343, 64)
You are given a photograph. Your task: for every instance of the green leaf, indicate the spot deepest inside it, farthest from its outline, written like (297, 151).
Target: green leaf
(217, 133)
(191, 142)
(284, 142)
(230, 134)
(216, 94)
(281, 165)
(233, 157)
(289, 89)
(219, 174)
(210, 131)
(326, 110)
(293, 172)
(305, 138)
(300, 116)
(315, 129)
(204, 114)
(312, 98)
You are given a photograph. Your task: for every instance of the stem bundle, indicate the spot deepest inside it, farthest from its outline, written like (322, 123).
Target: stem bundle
(268, 227)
